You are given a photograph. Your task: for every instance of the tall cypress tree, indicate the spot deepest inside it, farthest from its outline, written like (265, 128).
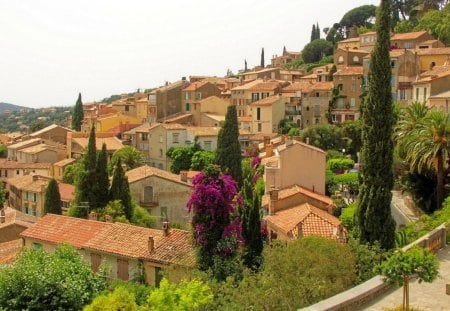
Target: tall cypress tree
(245, 65)
(374, 210)
(317, 31)
(102, 178)
(78, 114)
(313, 33)
(228, 154)
(284, 50)
(120, 190)
(52, 200)
(262, 58)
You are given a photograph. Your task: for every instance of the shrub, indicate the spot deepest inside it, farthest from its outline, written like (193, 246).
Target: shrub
(343, 164)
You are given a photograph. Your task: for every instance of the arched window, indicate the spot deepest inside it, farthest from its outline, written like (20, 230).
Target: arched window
(355, 59)
(340, 59)
(148, 194)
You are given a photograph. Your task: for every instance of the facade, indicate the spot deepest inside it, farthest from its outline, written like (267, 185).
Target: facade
(54, 133)
(77, 143)
(295, 163)
(294, 92)
(10, 169)
(440, 102)
(192, 95)
(41, 153)
(261, 73)
(267, 113)
(315, 102)
(351, 43)
(140, 251)
(349, 57)
(428, 58)
(60, 166)
(410, 40)
(12, 149)
(162, 193)
(285, 58)
(367, 41)
(349, 82)
(166, 100)
(210, 111)
(431, 83)
(135, 106)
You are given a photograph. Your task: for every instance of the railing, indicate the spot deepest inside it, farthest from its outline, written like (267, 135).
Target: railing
(365, 292)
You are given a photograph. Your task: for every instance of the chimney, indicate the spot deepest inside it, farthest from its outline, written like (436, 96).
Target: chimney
(266, 140)
(183, 176)
(273, 200)
(151, 244)
(92, 216)
(2, 216)
(108, 218)
(299, 230)
(165, 226)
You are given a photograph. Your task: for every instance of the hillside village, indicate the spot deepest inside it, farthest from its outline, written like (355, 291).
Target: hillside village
(296, 201)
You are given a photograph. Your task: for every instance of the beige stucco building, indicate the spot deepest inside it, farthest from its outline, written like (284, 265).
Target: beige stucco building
(315, 102)
(53, 132)
(267, 113)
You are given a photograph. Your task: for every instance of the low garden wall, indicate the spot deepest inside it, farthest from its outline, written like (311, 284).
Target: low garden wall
(359, 295)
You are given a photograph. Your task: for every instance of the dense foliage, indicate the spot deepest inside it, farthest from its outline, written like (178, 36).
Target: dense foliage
(3, 151)
(120, 190)
(325, 137)
(316, 50)
(128, 155)
(102, 177)
(48, 281)
(375, 221)
(77, 114)
(52, 199)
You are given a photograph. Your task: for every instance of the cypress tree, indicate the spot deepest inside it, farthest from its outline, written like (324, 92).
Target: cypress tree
(52, 200)
(284, 50)
(262, 58)
(317, 31)
(374, 210)
(251, 232)
(120, 190)
(313, 33)
(90, 157)
(228, 154)
(78, 114)
(245, 65)
(102, 178)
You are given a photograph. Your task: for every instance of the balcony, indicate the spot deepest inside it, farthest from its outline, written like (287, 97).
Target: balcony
(149, 202)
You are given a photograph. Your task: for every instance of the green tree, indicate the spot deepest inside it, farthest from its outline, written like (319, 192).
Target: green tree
(78, 114)
(181, 158)
(72, 172)
(228, 154)
(326, 137)
(3, 151)
(331, 73)
(316, 50)
(49, 281)
(402, 265)
(130, 156)
(120, 190)
(52, 201)
(359, 16)
(119, 299)
(375, 221)
(142, 218)
(286, 125)
(262, 58)
(317, 31)
(438, 23)
(185, 296)
(201, 159)
(37, 125)
(102, 177)
(313, 33)
(352, 132)
(2, 195)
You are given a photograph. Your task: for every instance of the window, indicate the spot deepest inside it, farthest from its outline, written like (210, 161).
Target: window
(317, 94)
(148, 194)
(187, 95)
(255, 97)
(340, 86)
(127, 108)
(175, 137)
(188, 107)
(317, 111)
(36, 245)
(144, 136)
(317, 120)
(340, 59)
(402, 94)
(424, 94)
(158, 276)
(160, 153)
(258, 114)
(198, 95)
(259, 127)
(207, 145)
(17, 172)
(392, 63)
(355, 59)
(164, 216)
(27, 195)
(122, 269)
(160, 138)
(352, 102)
(408, 45)
(96, 260)
(34, 197)
(417, 93)
(432, 65)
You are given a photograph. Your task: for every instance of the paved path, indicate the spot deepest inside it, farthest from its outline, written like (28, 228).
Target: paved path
(400, 212)
(426, 296)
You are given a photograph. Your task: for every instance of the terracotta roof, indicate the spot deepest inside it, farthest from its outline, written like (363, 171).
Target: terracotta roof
(123, 127)
(112, 143)
(194, 86)
(49, 128)
(313, 221)
(25, 143)
(64, 162)
(141, 128)
(297, 86)
(268, 101)
(247, 85)
(429, 76)
(203, 130)
(407, 35)
(368, 33)
(349, 71)
(320, 86)
(358, 51)
(147, 171)
(214, 116)
(433, 51)
(175, 117)
(14, 216)
(115, 238)
(168, 126)
(66, 191)
(349, 40)
(260, 136)
(296, 189)
(17, 165)
(37, 148)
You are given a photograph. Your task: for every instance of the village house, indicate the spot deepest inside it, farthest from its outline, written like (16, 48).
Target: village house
(194, 92)
(27, 194)
(348, 81)
(107, 122)
(428, 58)
(294, 106)
(260, 73)
(41, 153)
(77, 142)
(9, 169)
(285, 58)
(267, 113)
(52, 132)
(294, 163)
(291, 75)
(135, 106)
(12, 149)
(351, 43)
(431, 83)
(292, 213)
(349, 57)
(138, 138)
(60, 166)
(367, 41)
(166, 100)
(161, 193)
(315, 102)
(141, 251)
(410, 40)
(211, 112)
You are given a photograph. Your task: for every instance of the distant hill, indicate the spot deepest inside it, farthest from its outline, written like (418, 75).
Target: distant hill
(10, 107)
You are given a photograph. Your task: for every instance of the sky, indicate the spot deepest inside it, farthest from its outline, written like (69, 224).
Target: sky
(52, 50)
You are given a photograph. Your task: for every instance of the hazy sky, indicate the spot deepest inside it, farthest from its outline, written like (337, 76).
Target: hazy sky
(51, 50)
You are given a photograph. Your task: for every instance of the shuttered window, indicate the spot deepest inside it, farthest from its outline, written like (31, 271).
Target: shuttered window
(122, 269)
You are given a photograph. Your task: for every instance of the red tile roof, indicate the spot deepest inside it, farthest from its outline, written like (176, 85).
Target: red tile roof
(66, 191)
(123, 127)
(408, 35)
(9, 251)
(297, 86)
(313, 221)
(115, 238)
(148, 171)
(268, 101)
(195, 85)
(295, 189)
(349, 71)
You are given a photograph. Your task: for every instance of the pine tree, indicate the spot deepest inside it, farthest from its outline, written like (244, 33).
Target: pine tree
(52, 201)
(313, 33)
(78, 114)
(228, 154)
(262, 58)
(374, 211)
(120, 190)
(102, 178)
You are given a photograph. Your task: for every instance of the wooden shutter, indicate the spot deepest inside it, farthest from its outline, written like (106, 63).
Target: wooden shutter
(122, 269)
(96, 260)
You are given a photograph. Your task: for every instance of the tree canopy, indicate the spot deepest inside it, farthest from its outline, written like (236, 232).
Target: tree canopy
(52, 199)
(316, 50)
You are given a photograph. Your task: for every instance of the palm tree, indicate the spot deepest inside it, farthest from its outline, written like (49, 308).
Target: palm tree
(409, 118)
(427, 146)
